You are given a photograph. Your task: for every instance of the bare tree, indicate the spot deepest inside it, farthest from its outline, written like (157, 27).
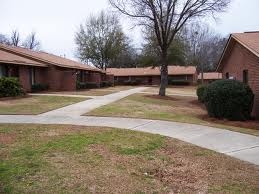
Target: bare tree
(31, 42)
(204, 46)
(15, 38)
(167, 18)
(101, 40)
(4, 40)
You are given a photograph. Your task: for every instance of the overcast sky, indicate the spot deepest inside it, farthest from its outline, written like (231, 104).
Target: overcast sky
(56, 21)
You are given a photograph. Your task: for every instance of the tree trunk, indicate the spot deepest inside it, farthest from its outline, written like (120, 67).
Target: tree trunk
(164, 78)
(202, 74)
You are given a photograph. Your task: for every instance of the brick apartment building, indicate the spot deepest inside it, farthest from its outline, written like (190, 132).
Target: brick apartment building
(37, 67)
(240, 61)
(151, 76)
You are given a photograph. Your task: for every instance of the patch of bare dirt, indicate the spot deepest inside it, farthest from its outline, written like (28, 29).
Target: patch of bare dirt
(14, 98)
(251, 124)
(243, 124)
(7, 138)
(161, 97)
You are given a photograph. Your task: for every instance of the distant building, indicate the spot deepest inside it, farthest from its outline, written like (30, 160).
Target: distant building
(240, 61)
(209, 77)
(184, 75)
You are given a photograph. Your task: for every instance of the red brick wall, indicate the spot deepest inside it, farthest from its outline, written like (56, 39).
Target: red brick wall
(239, 60)
(68, 80)
(156, 80)
(109, 78)
(24, 78)
(95, 77)
(40, 75)
(61, 78)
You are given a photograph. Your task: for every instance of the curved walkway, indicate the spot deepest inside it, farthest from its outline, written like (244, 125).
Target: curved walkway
(241, 146)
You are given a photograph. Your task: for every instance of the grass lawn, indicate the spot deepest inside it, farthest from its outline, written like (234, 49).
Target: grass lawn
(171, 90)
(176, 108)
(74, 159)
(97, 92)
(36, 104)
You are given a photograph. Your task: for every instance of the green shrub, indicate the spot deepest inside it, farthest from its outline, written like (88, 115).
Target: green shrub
(10, 87)
(229, 99)
(107, 84)
(201, 92)
(86, 85)
(39, 87)
(178, 82)
(132, 82)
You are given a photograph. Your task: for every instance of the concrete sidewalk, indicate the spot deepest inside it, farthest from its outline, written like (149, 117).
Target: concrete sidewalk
(89, 105)
(63, 95)
(238, 145)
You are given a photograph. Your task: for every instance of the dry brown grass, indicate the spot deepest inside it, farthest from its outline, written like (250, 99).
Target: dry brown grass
(171, 90)
(59, 158)
(36, 104)
(96, 92)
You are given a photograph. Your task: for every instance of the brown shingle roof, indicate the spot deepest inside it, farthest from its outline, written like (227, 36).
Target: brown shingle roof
(211, 76)
(250, 40)
(10, 58)
(47, 58)
(149, 71)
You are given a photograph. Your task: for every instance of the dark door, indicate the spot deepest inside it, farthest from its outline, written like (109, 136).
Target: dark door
(150, 80)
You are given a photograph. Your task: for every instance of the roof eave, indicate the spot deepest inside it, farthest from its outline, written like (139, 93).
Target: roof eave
(223, 53)
(21, 63)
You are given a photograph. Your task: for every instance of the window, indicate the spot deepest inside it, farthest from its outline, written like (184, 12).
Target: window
(3, 71)
(32, 75)
(245, 76)
(81, 76)
(227, 75)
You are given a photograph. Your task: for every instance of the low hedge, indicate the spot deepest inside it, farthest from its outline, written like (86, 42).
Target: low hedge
(178, 82)
(39, 87)
(86, 85)
(10, 87)
(229, 99)
(128, 83)
(107, 84)
(201, 90)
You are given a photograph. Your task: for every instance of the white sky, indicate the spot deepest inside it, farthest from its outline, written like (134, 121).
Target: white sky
(56, 21)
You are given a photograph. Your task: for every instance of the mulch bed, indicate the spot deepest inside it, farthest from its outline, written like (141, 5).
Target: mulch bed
(251, 124)
(162, 97)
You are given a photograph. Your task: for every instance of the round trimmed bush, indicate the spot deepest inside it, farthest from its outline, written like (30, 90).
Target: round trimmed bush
(201, 92)
(229, 99)
(10, 87)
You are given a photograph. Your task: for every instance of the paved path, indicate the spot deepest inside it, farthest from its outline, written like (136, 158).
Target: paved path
(63, 95)
(89, 105)
(241, 146)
